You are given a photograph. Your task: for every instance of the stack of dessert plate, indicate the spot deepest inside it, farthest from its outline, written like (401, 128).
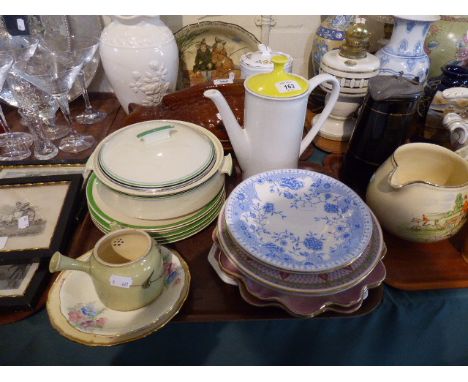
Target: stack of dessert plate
(299, 240)
(163, 176)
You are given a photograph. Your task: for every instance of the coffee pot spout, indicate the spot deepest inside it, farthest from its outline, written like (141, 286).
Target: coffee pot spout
(59, 263)
(237, 135)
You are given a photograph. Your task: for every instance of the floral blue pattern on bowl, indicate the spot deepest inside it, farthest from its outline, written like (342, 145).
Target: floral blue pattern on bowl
(298, 220)
(323, 283)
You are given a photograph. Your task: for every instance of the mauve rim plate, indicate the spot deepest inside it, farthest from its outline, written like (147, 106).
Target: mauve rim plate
(318, 305)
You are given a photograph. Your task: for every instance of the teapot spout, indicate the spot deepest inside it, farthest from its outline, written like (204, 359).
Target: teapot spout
(58, 263)
(237, 135)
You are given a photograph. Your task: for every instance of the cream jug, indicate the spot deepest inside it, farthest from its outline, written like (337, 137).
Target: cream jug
(274, 115)
(420, 193)
(126, 267)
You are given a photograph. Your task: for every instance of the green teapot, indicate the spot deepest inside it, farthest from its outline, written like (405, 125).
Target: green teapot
(126, 267)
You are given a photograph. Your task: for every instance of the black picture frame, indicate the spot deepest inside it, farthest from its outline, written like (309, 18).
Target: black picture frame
(30, 298)
(51, 162)
(64, 225)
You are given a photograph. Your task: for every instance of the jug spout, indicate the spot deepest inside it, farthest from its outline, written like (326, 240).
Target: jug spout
(393, 179)
(237, 135)
(58, 263)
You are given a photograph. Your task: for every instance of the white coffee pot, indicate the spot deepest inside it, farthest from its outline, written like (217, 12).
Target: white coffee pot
(274, 114)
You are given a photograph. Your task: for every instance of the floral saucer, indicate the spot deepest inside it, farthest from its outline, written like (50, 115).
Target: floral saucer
(298, 220)
(307, 306)
(76, 312)
(302, 283)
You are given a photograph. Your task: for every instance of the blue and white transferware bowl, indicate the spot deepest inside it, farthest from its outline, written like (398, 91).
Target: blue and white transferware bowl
(307, 283)
(298, 220)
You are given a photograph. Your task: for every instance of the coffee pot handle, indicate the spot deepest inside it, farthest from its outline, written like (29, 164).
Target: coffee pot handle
(313, 83)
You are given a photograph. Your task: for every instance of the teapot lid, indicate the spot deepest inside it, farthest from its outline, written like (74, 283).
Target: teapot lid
(278, 83)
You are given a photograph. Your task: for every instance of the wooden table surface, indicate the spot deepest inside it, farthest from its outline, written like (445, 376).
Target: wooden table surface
(209, 299)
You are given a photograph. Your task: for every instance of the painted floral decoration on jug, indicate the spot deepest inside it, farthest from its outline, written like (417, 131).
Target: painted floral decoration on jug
(86, 316)
(90, 316)
(172, 273)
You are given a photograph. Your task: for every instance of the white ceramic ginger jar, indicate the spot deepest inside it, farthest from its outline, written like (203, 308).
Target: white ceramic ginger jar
(140, 58)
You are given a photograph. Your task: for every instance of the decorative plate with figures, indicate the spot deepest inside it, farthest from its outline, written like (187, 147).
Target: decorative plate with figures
(299, 220)
(210, 50)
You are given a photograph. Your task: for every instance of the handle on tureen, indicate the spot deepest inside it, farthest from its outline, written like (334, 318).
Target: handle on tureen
(156, 134)
(226, 166)
(313, 83)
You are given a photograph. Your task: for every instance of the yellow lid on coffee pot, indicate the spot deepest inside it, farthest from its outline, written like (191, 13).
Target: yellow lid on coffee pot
(278, 83)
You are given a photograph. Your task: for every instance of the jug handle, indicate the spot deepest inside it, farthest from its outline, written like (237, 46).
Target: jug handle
(313, 83)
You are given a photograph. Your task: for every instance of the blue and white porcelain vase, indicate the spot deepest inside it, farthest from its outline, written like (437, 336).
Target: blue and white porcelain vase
(405, 51)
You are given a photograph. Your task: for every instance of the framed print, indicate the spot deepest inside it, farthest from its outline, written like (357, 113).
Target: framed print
(21, 285)
(28, 170)
(36, 216)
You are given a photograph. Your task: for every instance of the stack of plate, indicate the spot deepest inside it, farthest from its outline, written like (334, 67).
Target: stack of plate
(299, 240)
(164, 176)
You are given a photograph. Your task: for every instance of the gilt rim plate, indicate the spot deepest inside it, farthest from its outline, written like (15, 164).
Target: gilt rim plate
(298, 220)
(84, 321)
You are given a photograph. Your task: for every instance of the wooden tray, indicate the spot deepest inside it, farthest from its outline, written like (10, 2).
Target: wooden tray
(415, 266)
(210, 299)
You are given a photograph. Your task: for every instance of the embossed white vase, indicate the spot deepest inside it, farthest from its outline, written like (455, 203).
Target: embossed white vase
(140, 58)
